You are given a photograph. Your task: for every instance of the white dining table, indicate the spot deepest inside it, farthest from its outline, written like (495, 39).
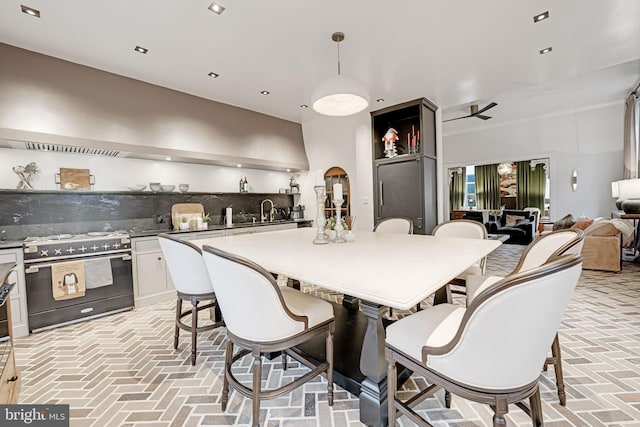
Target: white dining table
(382, 270)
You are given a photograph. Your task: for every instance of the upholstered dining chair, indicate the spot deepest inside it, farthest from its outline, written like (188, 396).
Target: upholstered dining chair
(190, 277)
(398, 225)
(463, 228)
(540, 251)
(480, 352)
(262, 317)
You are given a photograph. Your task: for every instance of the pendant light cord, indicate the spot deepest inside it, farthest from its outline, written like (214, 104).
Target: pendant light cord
(338, 43)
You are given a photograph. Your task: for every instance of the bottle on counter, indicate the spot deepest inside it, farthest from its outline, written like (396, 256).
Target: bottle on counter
(246, 185)
(242, 184)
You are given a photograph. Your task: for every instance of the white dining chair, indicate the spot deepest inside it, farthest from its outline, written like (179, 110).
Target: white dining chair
(398, 225)
(489, 352)
(467, 229)
(190, 277)
(262, 317)
(537, 253)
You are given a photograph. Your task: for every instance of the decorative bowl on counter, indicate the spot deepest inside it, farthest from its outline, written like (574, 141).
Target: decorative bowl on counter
(155, 186)
(167, 188)
(136, 187)
(183, 188)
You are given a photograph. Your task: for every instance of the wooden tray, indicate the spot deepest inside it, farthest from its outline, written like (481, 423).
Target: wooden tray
(180, 209)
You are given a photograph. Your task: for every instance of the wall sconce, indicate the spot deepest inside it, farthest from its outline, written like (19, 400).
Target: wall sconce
(574, 180)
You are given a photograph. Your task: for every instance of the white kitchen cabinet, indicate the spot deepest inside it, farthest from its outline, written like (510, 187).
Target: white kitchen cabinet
(151, 279)
(19, 315)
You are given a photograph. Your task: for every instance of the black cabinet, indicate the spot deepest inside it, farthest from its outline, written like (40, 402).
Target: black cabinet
(404, 166)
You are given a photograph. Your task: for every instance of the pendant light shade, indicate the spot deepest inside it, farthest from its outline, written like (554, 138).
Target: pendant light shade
(340, 95)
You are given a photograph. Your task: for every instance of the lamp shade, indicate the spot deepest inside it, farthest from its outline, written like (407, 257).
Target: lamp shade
(339, 96)
(629, 189)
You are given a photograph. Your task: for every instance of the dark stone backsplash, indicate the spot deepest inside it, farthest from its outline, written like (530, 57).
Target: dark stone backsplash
(43, 213)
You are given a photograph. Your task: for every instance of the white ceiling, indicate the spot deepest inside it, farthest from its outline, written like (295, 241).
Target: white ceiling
(455, 53)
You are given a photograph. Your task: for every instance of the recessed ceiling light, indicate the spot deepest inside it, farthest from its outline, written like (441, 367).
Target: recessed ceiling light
(238, 165)
(304, 106)
(288, 170)
(214, 75)
(380, 100)
(265, 92)
(216, 8)
(141, 49)
(546, 50)
(541, 16)
(168, 159)
(30, 11)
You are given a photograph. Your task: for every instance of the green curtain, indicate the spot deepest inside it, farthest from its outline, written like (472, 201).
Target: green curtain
(456, 191)
(487, 187)
(531, 185)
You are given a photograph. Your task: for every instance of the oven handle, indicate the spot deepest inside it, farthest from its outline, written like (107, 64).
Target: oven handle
(37, 267)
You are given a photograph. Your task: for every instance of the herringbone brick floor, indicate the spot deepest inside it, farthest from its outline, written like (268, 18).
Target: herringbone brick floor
(122, 370)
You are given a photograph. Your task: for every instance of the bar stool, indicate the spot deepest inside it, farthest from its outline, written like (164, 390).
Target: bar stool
(191, 280)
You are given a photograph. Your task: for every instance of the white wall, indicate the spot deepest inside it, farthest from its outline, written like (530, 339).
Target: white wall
(589, 141)
(114, 174)
(343, 142)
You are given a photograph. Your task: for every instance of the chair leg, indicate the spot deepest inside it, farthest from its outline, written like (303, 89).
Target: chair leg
(536, 409)
(557, 366)
(284, 361)
(447, 399)
(194, 329)
(329, 350)
(228, 356)
(500, 410)
(176, 335)
(392, 385)
(257, 378)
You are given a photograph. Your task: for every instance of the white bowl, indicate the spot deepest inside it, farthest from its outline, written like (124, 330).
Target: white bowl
(155, 186)
(167, 188)
(183, 188)
(136, 187)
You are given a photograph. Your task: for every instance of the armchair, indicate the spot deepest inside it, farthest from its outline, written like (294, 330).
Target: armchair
(519, 225)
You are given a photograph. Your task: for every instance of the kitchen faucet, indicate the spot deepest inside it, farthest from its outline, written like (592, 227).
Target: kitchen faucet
(263, 217)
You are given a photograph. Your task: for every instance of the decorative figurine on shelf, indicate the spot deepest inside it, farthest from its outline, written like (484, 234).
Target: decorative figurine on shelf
(25, 173)
(293, 184)
(389, 140)
(413, 141)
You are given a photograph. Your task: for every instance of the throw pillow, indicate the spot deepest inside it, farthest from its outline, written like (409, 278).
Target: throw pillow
(564, 222)
(512, 220)
(582, 224)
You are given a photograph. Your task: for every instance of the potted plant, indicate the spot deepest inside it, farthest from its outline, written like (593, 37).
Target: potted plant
(206, 219)
(184, 223)
(331, 224)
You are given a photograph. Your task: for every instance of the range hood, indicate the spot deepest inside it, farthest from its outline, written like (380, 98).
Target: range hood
(60, 148)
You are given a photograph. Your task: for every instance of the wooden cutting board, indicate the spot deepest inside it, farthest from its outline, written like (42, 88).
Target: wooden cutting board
(75, 179)
(188, 209)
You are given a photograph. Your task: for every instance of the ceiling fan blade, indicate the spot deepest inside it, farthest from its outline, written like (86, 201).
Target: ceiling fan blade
(493, 104)
(457, 118)
(480, 116)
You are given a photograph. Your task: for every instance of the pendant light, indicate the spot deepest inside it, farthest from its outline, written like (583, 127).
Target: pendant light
(339, 96)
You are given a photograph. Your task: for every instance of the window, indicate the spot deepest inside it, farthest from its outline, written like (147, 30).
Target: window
(470, 188)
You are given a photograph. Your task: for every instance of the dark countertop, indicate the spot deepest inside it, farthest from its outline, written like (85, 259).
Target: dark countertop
(146, 233)
(13, 244)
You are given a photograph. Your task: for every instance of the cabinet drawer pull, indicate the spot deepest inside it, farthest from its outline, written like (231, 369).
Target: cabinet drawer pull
(159, 258)
(381, 193)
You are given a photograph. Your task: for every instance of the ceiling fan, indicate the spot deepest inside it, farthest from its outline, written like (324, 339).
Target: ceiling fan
(476, 113)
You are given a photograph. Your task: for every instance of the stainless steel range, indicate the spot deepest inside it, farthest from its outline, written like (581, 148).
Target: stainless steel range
(105, 262)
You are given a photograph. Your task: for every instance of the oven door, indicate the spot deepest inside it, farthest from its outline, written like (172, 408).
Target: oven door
(45, 312)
